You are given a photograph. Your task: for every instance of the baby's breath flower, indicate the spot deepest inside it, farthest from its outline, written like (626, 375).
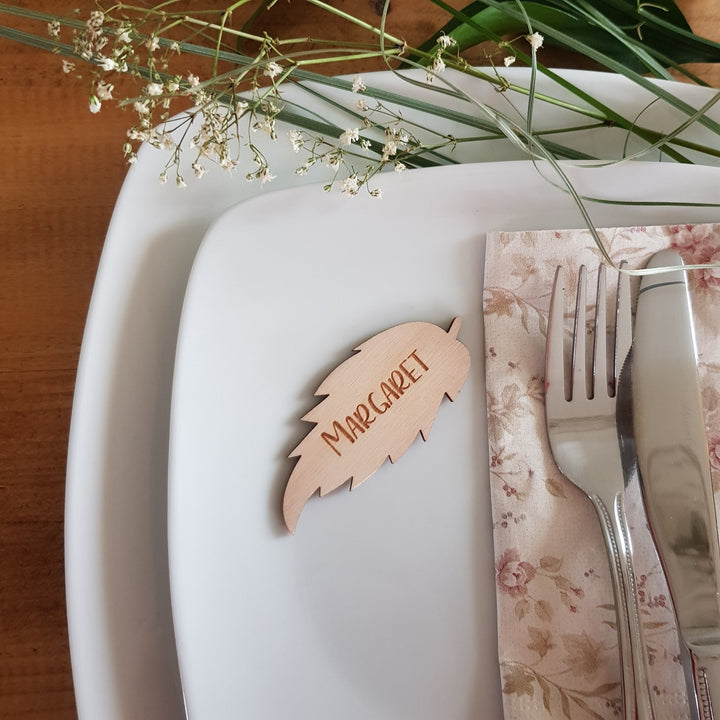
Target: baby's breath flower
(154, 88)
(54, 29)
(175, 47)
(296, 139)
(395, 140)
(272, 70)
(509, 60)
(123, 35)
(136, 133)
(350, 186)
(390, 148)
(349, 136)
(199, 170)
(104, 90)
(376, 193)
(265, 175)
(108, 64)
(536, 40)
(438, 66)
(141, 107)
(152, 43)
(193, 80)
(365, 144)
(332, 159)
(163, 177)
(399, 167)
(358, 84)
(165, 141)
(267, 124)
(129, 153)
(68, 66)
(180, 182)
(361, 105)
(94, 104)
(445, 41)
(228, 163)
(95, 21)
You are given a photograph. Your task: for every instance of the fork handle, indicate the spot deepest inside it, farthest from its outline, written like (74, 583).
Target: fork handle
(637, 701)
(607, 522)
(643, 689)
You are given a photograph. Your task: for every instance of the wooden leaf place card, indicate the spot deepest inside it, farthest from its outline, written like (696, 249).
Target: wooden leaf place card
(375, 403)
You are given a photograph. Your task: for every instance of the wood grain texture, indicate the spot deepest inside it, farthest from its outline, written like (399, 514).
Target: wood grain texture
(374, 405)
(60, 172)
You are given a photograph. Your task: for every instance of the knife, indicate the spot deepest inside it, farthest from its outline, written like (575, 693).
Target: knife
(674, 467)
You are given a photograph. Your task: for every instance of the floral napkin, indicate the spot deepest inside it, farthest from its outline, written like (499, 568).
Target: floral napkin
(556, 618)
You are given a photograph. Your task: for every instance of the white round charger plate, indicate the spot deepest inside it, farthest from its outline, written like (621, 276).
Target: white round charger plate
(121, 632)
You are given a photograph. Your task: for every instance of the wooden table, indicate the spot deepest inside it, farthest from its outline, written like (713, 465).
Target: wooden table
(60, 172)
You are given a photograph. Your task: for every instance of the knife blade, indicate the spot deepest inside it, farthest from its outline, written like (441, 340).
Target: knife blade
(632, 478)
(672, 456)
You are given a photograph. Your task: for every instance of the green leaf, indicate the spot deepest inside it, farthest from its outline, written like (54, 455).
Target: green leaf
(488, 24)
(455, 21)
(616, 28)
(571, 41)
(664, 33)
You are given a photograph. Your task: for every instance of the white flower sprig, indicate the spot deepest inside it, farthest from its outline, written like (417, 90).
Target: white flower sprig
(237, 98)
(536, 40)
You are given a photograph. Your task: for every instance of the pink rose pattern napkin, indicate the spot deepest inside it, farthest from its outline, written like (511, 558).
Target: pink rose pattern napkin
(556, 620)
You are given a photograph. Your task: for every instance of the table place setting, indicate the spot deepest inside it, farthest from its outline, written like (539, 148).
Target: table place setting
(149, 254)
(476, 291)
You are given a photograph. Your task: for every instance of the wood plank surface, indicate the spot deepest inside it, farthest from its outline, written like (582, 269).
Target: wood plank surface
(60, 172)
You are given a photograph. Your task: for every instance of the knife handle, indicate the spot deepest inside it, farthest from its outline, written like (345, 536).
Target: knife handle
(706, 673)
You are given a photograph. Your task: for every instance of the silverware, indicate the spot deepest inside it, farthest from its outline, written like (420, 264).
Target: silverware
(584, 441)
(674, 468)
(632, 477)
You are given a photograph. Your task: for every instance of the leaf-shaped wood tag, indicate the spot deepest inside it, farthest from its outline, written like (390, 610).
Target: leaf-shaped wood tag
(375, 404)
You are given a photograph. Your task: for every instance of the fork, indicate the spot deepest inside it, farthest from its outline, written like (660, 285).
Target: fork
(583, 437)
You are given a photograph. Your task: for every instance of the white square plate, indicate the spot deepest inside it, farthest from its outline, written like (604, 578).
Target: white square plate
(383, 604)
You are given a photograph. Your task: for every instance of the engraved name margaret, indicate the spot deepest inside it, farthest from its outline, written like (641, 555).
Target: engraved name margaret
(377, 402)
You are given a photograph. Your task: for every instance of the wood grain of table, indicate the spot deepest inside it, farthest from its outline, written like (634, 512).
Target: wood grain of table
(60, 172)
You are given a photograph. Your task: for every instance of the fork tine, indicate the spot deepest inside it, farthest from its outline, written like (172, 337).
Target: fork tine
(600, 376)
(623, 323)
(579, 375)
(554, 352)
